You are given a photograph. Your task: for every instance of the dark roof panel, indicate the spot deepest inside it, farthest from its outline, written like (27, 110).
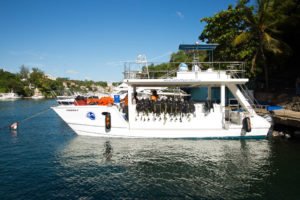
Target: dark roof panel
(209, 47)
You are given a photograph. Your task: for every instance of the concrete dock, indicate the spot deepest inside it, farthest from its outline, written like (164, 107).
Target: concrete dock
(283, 117)
(287, 118)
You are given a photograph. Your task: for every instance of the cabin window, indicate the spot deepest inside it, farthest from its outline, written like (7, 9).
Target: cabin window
(200, 94)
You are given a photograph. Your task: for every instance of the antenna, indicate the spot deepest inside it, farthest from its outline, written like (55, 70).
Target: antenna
(142, 59)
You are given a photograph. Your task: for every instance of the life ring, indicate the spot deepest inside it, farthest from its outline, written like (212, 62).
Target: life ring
(247, 124)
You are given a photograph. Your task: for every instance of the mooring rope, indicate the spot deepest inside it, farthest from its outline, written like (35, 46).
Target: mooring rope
(30, 117)
(35, 115)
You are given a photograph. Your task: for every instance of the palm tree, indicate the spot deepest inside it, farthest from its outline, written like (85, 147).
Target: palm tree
(261, 27)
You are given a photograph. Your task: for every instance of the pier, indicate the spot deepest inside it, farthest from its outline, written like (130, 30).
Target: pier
(287, 118)
(283, 117)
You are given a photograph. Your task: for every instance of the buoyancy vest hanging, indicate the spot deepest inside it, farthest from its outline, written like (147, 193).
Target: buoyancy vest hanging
(153, 97)
(104, 101)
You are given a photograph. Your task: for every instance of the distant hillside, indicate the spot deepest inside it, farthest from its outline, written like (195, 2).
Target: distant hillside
(25, 82)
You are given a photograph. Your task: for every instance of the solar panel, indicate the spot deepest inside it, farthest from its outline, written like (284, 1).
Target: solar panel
(209, 47)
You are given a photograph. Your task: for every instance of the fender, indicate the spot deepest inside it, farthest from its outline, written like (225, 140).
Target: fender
(247, 124)
(107, 121)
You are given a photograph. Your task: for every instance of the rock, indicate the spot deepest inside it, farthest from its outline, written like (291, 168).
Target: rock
(280, 98)
(288, 101)
(296, 99)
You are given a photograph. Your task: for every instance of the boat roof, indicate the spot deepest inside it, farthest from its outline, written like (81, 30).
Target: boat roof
(209, 47)
(182, 82)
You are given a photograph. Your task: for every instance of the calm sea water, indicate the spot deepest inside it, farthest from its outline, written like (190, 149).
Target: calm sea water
(44, 159)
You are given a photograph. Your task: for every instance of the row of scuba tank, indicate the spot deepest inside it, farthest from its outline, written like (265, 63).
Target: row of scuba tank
(166, 110)
(169, 106)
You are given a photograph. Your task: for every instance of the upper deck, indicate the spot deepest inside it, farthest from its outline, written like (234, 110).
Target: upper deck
(192, 74)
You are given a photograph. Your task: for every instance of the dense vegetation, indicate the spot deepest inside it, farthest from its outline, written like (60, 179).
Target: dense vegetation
(25, 82)
(264, 35)
(9, 81)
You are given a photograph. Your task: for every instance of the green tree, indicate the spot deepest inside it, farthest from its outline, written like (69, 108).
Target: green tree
(261, 26)
(28, 92)
(223, 28)
(285, 66)
(10, 82)
(35, 69)
(180, 56)
(115, 84)
(24, 72)
(37, 77)
(102, 83)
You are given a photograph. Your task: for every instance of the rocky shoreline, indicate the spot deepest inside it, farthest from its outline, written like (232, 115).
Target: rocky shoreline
(286, 100)
(286, 120)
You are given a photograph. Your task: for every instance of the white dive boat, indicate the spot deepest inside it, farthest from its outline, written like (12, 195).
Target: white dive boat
(9, 96)
(173, 118)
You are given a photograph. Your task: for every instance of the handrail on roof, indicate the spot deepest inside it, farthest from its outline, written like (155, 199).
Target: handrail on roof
(135, 71)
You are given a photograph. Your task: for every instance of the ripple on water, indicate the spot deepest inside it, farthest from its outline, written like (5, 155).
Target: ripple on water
(161, 168)
(46, 160)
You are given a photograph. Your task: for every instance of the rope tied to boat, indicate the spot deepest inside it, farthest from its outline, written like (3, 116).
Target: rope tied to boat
(35, 115)
(15, 125)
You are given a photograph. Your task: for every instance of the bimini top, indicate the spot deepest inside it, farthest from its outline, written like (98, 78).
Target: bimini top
(196, 46)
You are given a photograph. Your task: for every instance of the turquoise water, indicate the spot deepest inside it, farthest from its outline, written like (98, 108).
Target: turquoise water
(44, 159)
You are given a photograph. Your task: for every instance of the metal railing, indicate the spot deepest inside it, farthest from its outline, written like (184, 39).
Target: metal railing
(68, 94)
(249, 96)
(157, 70)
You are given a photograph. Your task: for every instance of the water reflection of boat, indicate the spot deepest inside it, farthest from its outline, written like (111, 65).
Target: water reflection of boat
(247, 155)
(108, 150)
(151, 168)
(176, 117)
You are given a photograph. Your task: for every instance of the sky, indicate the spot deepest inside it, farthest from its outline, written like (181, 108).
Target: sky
(91, 39)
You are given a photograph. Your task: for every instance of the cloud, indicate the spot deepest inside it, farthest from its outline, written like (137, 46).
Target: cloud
(180, 15)
(72, 72)
(38, 55)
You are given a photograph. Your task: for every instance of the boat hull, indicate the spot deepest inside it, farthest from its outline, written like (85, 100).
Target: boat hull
(79, 119)
(176, 134)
